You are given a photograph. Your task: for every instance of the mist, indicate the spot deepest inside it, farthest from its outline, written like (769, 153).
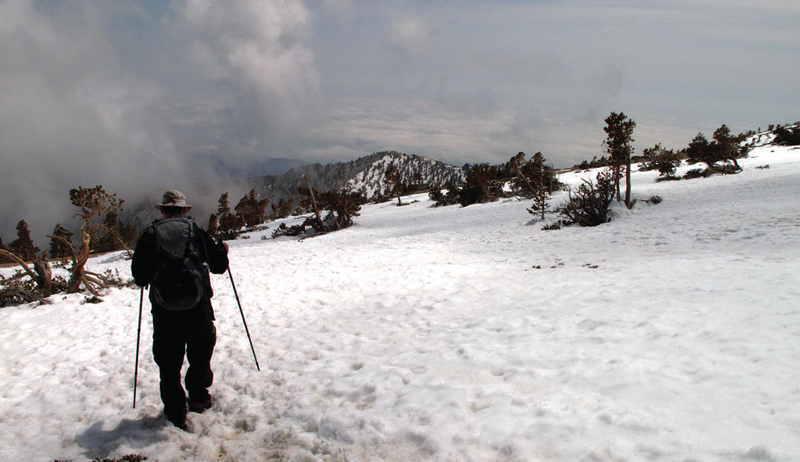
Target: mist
(214, 93)
(141, 97)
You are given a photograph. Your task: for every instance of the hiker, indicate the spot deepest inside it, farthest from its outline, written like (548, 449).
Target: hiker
(173, 257)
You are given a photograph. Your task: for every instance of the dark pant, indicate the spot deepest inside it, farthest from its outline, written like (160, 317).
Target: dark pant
(171, 340)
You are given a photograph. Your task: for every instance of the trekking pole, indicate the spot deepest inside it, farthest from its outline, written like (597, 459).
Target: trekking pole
(138, 334)
(243, 321)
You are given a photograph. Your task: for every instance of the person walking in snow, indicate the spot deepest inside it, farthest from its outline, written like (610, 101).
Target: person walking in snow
(174, 256)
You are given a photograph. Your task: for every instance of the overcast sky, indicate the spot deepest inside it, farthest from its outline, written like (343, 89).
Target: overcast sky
(146, 96)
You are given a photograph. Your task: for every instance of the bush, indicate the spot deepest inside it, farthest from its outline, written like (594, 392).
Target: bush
(721, 169)
(483, 184)
(724, 148)
(126, 458)
(553, 226)
(694, 173)
(787, 136)
(443, 198)
(283, 230)
(589, 204)
(338, 208)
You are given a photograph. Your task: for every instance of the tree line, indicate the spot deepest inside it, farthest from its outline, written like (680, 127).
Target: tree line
(101, 229)
(589, 203)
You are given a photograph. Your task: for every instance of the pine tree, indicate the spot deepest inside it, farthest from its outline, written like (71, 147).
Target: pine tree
(92, 204)
(395, 181)
(59, 248)
(542, 189)
(229, 223)
(724, 147)
(23, 246)
(666, 161)
(284, 209)
(618, 145)
(3, 259)
(729, 147)
(250, 210)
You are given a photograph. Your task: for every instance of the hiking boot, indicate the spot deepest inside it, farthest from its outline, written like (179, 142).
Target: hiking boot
(200, 406)
(179, 421)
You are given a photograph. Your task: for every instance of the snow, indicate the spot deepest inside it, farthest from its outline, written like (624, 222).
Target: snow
(457, 334)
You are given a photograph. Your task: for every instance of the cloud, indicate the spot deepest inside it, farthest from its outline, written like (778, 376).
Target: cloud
(261, 50)
(81, 104)
(409, 35)
(68, 117)
(147, 96)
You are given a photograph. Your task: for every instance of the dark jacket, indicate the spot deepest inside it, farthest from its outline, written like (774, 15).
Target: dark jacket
(144, 264)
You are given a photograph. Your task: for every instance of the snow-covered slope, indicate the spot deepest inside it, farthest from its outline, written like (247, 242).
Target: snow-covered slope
(371, 182)
(458, 334)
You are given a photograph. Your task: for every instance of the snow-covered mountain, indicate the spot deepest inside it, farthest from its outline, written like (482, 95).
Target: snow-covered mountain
(365, 175)
(413, 169)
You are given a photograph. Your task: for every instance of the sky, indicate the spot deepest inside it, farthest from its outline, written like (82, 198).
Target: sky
(147, 96)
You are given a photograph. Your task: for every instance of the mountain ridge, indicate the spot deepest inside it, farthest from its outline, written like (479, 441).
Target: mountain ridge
(365, 175)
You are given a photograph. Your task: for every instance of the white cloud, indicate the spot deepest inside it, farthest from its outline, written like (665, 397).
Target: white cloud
(262, 48)
(409, 34)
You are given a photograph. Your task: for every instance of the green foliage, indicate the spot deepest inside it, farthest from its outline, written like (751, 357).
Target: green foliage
(395, 182)
(483, 184)
(666, 161)
(618, 145)
(58, 247)
(125, 458)
(284, 209)
(724, 148)
(555, 226)
(250, 210)
(787, 136)
(99, 212)
(694, 173)
(341, 206)
(589, 204)
(92, 204)
(3, 259)
(332, 211)
(224, 224)
(620, 135)
(531, 177)
(594, 163)
(283, 230)
(115, 234)
(23, 246)
(444, 196)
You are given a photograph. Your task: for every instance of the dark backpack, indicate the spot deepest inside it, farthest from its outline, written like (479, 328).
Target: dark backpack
(181, 277)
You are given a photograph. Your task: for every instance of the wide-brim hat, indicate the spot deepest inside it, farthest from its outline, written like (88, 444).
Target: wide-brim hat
(173, 198)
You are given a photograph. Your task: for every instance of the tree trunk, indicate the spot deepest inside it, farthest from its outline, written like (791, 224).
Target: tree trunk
(628, 184)
(524, 178)
(79, 260)
(314, 203)
(41, 274)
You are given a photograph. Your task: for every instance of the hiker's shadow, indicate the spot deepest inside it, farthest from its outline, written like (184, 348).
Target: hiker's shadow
(99, 443)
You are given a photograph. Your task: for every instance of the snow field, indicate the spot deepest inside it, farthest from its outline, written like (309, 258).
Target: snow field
(458, 334)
